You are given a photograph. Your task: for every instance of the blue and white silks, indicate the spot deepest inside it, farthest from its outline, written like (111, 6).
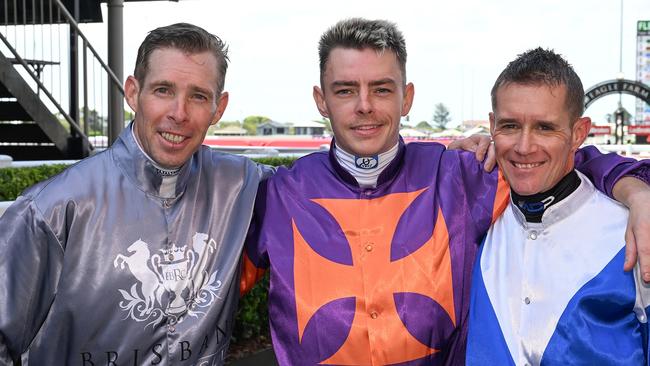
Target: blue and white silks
(555, 293)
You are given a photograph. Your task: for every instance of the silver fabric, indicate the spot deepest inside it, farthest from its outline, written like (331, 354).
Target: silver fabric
(98, 268)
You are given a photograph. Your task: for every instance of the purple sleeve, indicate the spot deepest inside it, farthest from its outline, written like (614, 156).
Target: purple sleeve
(604, 170)
(463, 179)
(255, 246)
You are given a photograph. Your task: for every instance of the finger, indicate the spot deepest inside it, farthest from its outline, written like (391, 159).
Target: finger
(630, 250)
(643, 256)
(491, 160)
(466, 144)
(483, 146)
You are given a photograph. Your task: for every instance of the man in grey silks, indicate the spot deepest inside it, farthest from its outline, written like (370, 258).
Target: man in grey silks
(131, 257)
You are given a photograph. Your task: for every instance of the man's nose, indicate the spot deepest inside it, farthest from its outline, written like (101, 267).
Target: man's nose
(178, 112)
(525, 142)
(364, 103)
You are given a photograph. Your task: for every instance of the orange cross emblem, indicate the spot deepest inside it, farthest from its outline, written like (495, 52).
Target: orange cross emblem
(377, 335)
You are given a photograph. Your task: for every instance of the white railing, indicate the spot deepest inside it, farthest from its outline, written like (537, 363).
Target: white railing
(4, 205)
(635, 151)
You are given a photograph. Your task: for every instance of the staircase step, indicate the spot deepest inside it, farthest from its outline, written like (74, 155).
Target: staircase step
(32, 152)
(46, 128)
(22, 133)
(4, 93)
(13, 111)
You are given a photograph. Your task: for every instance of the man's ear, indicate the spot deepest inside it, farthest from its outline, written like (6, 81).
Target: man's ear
(131, 92)
(580, 132)
(407, 102)
(222, 103)
(321, 104)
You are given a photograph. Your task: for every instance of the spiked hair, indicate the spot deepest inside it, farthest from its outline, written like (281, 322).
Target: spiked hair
(359, 33)
(545, 67)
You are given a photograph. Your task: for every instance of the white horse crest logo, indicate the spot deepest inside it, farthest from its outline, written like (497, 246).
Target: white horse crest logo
(179, 271)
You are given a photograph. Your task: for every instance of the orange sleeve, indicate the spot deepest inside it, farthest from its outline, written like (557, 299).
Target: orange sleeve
(250, 275)
(501, 197)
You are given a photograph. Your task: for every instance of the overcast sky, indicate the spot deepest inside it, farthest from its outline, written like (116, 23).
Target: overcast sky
(456, 49)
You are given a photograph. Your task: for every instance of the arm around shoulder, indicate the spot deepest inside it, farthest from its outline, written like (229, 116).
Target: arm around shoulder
(605, 170)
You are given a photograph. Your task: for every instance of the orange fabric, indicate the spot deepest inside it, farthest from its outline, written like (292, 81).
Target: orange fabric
(501, 198)
(369, 226)
(250, 275)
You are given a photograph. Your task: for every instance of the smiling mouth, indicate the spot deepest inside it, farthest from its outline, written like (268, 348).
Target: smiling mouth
(366, 127)
(526, 165)
(175, 139)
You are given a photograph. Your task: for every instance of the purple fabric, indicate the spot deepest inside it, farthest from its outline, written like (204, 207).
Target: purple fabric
(288, 196)
(323, 334)
(452, 183)
(605, 170)
(406, 240)
(425, 319)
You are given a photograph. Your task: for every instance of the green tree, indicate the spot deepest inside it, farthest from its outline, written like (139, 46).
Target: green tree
(222, 124)
(441, 116)
(251, 122)
(128, 115)
(424, 125)
(328, 125)
(97, 124)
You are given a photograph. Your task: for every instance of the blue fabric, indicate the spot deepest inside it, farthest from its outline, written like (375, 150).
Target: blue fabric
(485, 342)
(599, 326)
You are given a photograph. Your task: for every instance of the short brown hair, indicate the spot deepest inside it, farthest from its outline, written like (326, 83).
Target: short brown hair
(540, 66)
(187, 38)
(359, 33)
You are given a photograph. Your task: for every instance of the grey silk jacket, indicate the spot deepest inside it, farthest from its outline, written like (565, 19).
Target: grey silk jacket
(99, 266)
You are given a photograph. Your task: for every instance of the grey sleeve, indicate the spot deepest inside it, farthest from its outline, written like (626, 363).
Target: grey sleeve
(30, 266)
(265, 171)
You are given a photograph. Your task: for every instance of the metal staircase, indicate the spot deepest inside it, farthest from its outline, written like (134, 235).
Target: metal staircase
(54, 86)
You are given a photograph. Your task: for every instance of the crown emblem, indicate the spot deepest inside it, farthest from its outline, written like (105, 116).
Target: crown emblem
(174, 253)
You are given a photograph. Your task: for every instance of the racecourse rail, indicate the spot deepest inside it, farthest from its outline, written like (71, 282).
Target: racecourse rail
(636, 151)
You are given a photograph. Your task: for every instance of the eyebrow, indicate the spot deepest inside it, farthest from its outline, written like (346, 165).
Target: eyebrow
(506, 120)
(344, 83)
(162, 83)
(192, 87)
(383, 82)
(514, 120)
(202, 90)
(356, 83)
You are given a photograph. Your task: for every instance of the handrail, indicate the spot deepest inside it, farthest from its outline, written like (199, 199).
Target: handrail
(74, 24)
(91, 119)
(67, 117)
